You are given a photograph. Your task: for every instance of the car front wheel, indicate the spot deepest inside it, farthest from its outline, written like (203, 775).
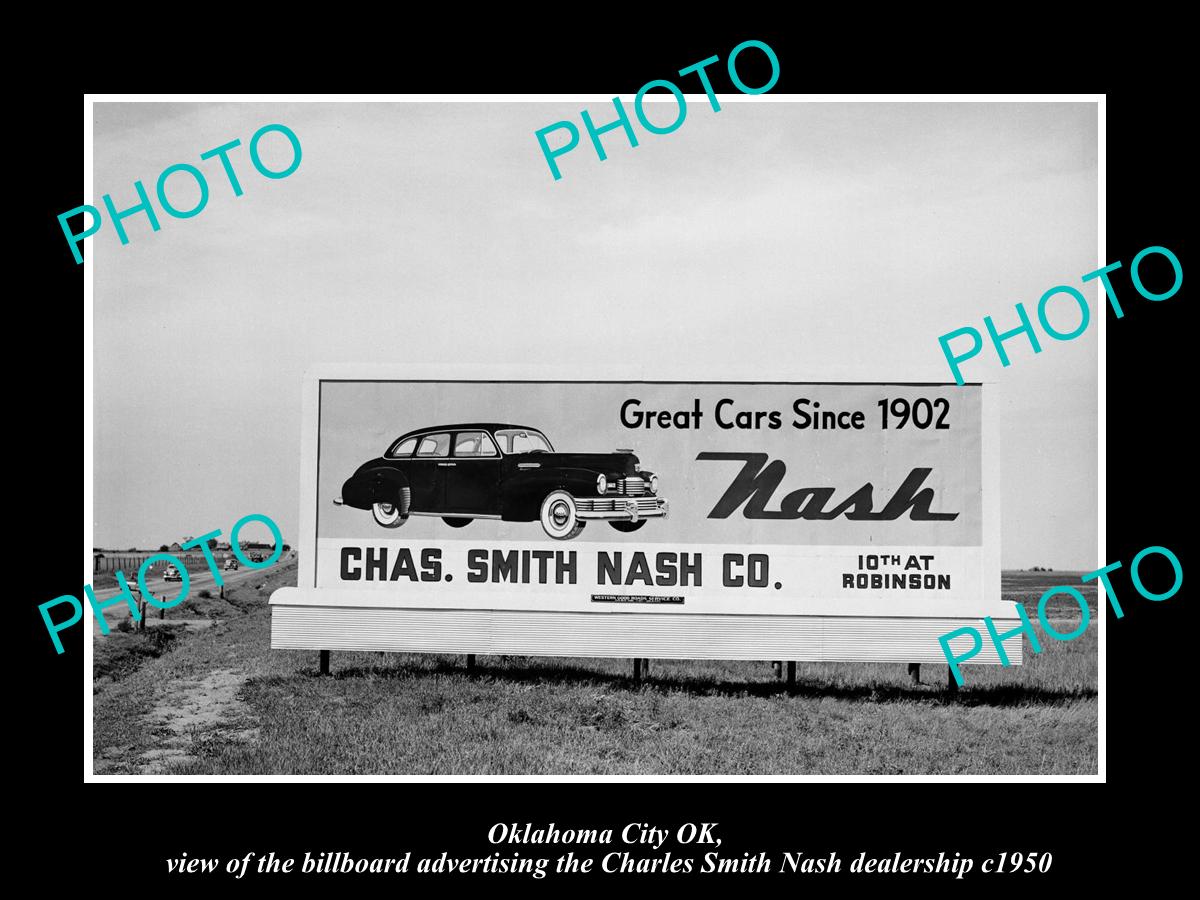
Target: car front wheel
(559, 517)
(388, 515)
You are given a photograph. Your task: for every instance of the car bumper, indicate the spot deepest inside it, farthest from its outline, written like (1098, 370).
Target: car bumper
(622, 509)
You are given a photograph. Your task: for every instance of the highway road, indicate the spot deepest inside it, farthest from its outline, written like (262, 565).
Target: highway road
(169, 589)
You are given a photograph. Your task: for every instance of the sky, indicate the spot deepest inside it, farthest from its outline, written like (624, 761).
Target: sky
(796, 237)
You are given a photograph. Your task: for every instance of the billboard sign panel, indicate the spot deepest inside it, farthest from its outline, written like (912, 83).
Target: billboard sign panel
(729, 519)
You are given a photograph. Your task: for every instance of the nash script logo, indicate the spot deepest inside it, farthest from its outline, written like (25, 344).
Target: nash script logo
(755, 485)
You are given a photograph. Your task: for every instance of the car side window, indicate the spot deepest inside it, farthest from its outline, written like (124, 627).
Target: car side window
(434, 445)
(403, 449)
(520, 440)
(474, 444)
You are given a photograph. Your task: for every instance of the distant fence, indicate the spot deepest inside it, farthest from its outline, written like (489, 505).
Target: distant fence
(129, 562)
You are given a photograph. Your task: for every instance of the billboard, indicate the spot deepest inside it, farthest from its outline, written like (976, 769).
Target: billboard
(686, 519)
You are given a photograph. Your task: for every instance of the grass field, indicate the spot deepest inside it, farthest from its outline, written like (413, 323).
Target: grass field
(217, 700)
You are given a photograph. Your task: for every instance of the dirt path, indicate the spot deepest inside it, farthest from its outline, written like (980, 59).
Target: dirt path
(195, 710)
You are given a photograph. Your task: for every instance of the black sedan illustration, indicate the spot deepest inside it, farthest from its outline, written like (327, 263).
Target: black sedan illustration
(508, 472)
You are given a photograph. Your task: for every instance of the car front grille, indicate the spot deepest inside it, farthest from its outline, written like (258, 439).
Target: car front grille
(632, 486)
(614, 504)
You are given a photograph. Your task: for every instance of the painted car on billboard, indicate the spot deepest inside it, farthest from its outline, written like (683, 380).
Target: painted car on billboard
(510, 472)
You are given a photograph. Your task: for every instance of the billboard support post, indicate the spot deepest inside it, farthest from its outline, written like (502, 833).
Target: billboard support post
(470, 662)
(637, 670)
(324, 662)
(914, 673)
(791, 681)
(951, 684)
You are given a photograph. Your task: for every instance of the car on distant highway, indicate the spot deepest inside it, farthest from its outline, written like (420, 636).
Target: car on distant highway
(170, 573)
(231, 565)
(256, 557)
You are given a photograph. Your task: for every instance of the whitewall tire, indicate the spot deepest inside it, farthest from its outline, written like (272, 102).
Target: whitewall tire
(388, 515)
(559, 517)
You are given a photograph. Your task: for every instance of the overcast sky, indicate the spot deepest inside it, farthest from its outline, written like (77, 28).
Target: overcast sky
(805, 235)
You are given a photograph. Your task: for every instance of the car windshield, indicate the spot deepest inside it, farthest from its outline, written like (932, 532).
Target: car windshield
(523, 440)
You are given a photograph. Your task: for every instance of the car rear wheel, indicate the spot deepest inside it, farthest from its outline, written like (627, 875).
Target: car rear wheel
(559, 517)
(627, 527)
(388, 515)
(456, 523)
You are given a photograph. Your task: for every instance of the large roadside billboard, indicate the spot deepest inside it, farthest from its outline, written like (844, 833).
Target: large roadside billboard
(650, 518)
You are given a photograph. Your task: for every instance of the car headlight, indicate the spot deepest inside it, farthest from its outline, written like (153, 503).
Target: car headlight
(601, 484)
(654, 484)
